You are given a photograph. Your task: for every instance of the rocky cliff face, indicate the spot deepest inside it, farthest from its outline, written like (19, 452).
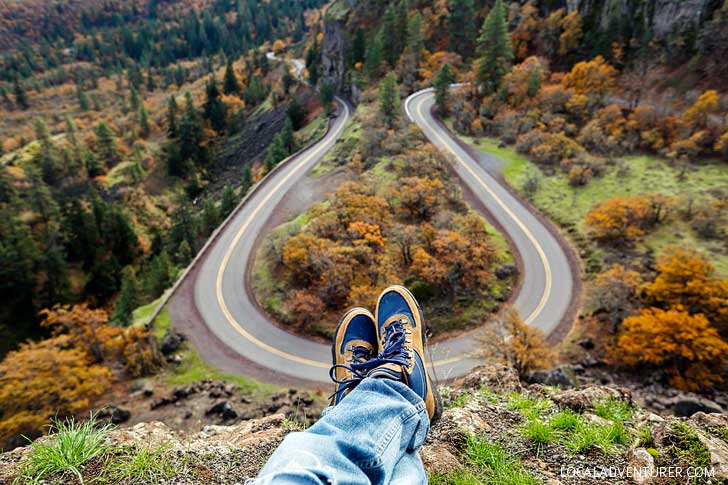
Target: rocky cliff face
(494, 429)
(662, 18)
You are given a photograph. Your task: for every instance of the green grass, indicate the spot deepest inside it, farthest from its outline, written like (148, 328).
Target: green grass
(530, 407)
(457, 477)
(723, 433)
(538, 432)
(613, 410)
(72, 445)
(566, 420)
(587, 436)
(633, 175)
(142, 464)
(498, 465)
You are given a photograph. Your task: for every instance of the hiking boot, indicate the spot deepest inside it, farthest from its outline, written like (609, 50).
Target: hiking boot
(355, 343)
(401, 331)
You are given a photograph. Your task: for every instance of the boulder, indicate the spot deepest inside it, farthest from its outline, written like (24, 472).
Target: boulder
(686, 406)
(643, 465)
(497, 378)
(585, 397)
(222, 409)
(563, 377)
(114, 414)
(171, 342)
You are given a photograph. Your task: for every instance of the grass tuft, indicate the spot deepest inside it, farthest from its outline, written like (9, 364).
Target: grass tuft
(141, 465)
(538, 432)
(566, 420)
(500, 467)
(72, 445)
(613, 410)
(530, 407)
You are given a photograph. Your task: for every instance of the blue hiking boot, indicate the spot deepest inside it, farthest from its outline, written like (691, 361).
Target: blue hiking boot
(401, 331)
(355, 343)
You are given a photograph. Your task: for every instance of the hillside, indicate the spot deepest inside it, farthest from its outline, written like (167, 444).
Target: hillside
(495, 430)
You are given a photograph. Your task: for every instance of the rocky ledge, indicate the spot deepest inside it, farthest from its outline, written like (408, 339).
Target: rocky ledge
(494, 430)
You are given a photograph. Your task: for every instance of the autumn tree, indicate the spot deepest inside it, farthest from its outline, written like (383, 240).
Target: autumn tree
(85, 328)
(304, 307)
(510, 341)
(621, 220)
(615, 293)
(494, 47)
(686, 278)
(419, 197)
(572, 34)
(697, 115)
(686, 346)
(592, 78)
(46, 379)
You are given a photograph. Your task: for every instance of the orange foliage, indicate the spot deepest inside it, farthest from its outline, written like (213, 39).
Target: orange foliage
(686, 345)
(591, 77)
(621, 220)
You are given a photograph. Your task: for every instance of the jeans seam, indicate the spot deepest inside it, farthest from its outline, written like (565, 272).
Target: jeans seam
(386, 440)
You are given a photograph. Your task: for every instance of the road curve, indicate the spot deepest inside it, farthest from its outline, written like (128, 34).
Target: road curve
(230, 312)
(547, 279)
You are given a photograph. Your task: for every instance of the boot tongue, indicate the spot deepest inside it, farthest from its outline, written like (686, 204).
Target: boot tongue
(387, 371)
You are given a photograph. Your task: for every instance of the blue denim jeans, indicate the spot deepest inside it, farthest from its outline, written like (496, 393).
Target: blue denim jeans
(372, 437)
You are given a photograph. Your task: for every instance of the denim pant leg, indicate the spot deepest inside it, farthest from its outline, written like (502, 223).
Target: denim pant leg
(372, 436)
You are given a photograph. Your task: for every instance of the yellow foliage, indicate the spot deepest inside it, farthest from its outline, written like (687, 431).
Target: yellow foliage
(707, 103)
(686, 345)
(591, 77)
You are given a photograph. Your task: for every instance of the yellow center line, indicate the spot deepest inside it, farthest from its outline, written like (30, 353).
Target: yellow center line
(221, 299)
(542, 255)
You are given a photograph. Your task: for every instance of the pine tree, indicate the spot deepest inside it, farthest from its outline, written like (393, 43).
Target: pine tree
(389, 98)
(214, 109)
(230, 83)
(82, 98)
(47, 157)
(374, 57)
(55, 285)
(390, 36)
(106, 144)
(461, 26)
(191, 133)
(134, 98)
(442, 88)
(151, 84)
(128, 300)
(172, 110)
(496, 53)
(358, 47)
(326, 96)
(143, 122)
(247, 180)
(227, 203)
(157, 278)
(21, 98)
(210, 216)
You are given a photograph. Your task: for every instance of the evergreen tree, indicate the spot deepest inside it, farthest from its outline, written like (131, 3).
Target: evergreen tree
(214, 109)
(128, 300)
(191, 133)
(442, 88)
(143, 122)
(21, 98)
(389, 98)
(157, 277)
(374, 57)
(358, 47)
(151, 83)
(326, 96)
(106, 144)
(55, 284)
(390, 36)
(247, 180)
(210, 216)
(47, 157)
(82, 98)
(134, 98)
(230, 83)
(172, 110)
(296, 113)
(534, 81)
(72, 138)
(227, 203)
(287, 136)
(496, 53)
(184, 253)
(461, 26)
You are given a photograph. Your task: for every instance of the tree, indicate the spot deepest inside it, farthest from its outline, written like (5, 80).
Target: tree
(158, 276)
(595, 77)
(305, 307)
(687, 278)
(570, 38)
(616, 293)
(230, 82)
(389, 98)
(514, 343)
(214, 109)
(190, 136)
(461, 26)
(128, 300)
(326, 96)
(621, 220)
(172, 110)
(494, 47)
(106, 145)
(228, 201)
(82, 98)
(85, 328)
(143, 122)
(697, 114)
(296, 113)
(442, 83)
(686, 346)
(21, 97)
(46, 379)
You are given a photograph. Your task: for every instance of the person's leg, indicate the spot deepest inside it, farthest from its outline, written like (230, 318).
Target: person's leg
(366, 438)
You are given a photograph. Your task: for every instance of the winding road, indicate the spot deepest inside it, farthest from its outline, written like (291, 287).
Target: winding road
(229, 311)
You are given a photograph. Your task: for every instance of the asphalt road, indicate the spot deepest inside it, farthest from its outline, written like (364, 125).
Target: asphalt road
(231, 314)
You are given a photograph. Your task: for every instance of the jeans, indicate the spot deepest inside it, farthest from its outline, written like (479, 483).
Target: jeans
(372, 436)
